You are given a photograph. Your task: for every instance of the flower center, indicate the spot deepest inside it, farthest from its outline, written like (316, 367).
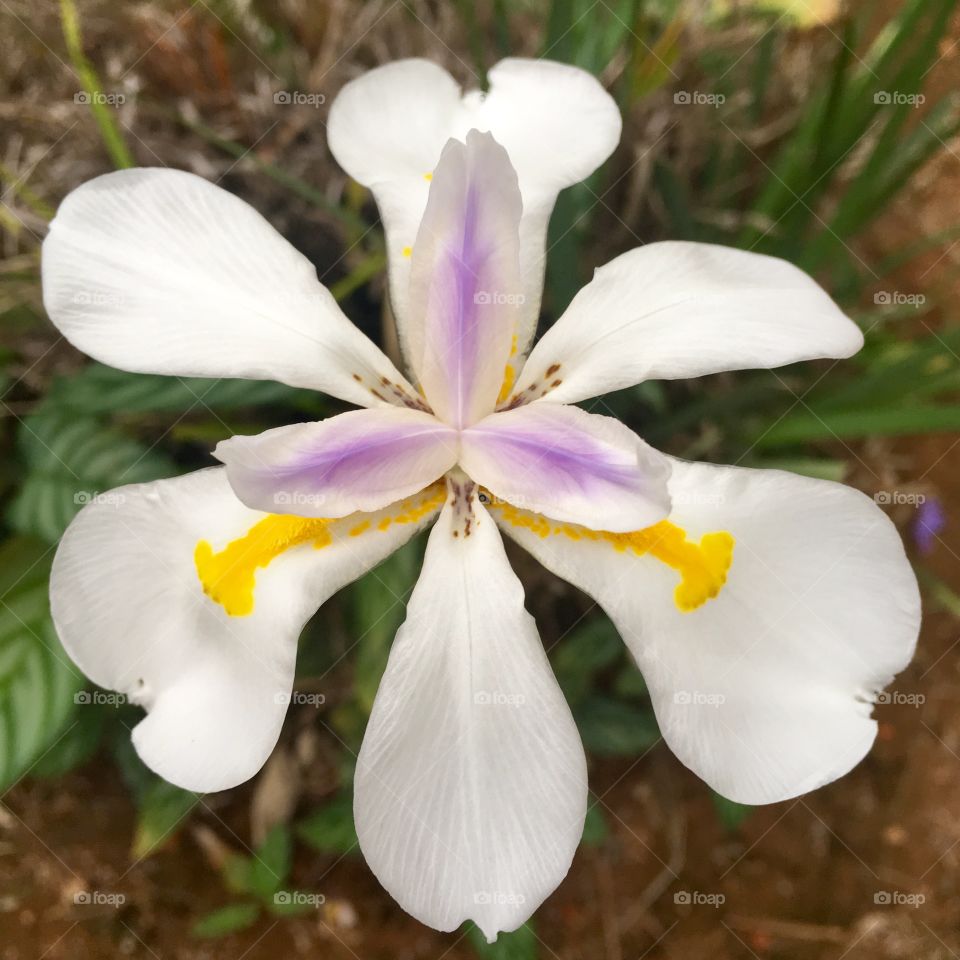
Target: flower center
(228, 576)
(702, 566)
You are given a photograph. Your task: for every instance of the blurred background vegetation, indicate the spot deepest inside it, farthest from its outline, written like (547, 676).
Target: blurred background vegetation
(808, 130)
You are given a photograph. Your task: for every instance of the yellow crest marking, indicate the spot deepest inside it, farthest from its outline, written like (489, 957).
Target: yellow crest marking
(702, 566)
(228, 576)
(509, 373)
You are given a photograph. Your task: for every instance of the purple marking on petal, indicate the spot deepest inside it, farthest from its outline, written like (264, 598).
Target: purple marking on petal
(581, 461)
(360, 460)
(930, 520)
(349, 461)
(465, 279)
(569, 465)
(462, 330)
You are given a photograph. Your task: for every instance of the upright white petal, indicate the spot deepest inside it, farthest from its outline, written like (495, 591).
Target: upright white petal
(678, 309)
(471, 787)
(465, 280)
(131, 611)
(160, 271)
(765, 690)
(387, 129)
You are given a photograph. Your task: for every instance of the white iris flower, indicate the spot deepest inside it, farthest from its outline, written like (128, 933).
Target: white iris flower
(764, 609)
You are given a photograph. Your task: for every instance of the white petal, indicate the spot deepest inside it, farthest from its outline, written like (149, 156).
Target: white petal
(471, 787)
(159, 271)
(568, 464)
(764, 691)
(677, 309)
(131, 611)
(359, 460)
(387, 129)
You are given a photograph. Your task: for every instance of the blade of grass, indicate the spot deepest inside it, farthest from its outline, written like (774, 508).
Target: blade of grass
(112, 139)
(18, 187)
(807, 426)
(501, 24)
(292, 183)
(366, 270)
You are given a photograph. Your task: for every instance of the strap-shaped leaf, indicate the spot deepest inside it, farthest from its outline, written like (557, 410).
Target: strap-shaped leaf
(69, 462)
(38, 682)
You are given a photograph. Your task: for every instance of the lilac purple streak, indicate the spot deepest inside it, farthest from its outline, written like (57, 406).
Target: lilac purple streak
(571, 461)
(360, 460)
(459, 329)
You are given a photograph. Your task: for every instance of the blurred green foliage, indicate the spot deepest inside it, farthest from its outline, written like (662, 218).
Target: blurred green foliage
(806, 193)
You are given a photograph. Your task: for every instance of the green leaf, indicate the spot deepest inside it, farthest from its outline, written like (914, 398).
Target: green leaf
(163, 809)
(610, 728)
(37, 680)
(237, 873)
(330, 829)
(271, 864)
(226, 920)
(378, 605)
(98, 389)
(630, 683)
(78, 743)
(595, 828)
(521, 944)
(585, 651)
(816, 467)
(730, 813)
(803, 426)
(70, 461)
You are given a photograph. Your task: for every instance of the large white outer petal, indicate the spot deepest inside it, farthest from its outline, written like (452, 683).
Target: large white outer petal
(160, 271)
(387, 129)
(130, 611)
(764, 691)
(679, 309)
(471, 786)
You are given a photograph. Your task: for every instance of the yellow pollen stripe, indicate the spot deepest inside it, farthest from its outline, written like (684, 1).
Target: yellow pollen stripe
(228, 577)
(702, 566)
(509, 374)
(407, 251)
